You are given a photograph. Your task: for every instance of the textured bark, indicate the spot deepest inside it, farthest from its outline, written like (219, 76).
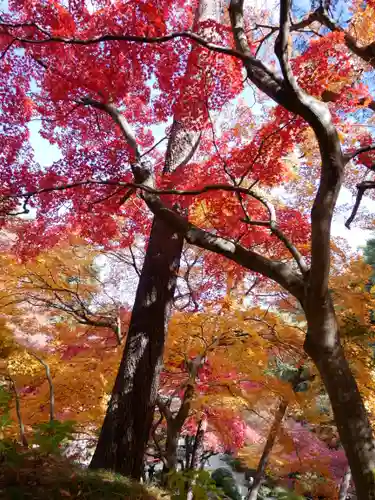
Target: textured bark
(254, 490)
(128, 420)
(127, 424)
(350, 414)
(323, 340)
(344, 487)
(175, 423)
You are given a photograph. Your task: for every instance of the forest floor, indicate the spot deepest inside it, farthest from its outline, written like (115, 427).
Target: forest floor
(41, 478)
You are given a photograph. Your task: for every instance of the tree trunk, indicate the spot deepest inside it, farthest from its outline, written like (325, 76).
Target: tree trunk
(323, 345)
(344, 487)
(173, 434)
(197, 453)
(254, 490)
(128, 420)
(127, 424)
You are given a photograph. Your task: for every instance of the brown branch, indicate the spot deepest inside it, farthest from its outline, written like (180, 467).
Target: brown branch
(119, 119)
(156, 441)
(274, 431)
(362, 188)
(364, 149)
(272, 224)
(164, 409)
(282, 46)
(278, 271)
(316, 113)
(125, 38)
(366, 53)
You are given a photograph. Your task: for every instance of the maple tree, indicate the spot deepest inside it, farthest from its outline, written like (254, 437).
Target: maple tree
(65, 281)
(229, 348)
(70, 67)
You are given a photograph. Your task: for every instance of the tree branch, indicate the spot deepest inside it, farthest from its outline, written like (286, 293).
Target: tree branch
(362, 188)
(119, 119)
(272, 224)
(119, 38)
(366, 53)
(282, 46)
(164, 409)
(364, 149)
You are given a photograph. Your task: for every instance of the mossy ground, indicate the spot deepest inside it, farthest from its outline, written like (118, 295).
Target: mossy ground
(41, 478)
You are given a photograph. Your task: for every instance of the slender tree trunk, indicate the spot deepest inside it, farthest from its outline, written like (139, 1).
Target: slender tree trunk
(198, 445)
(254, 490)
(323, 345)
(173, 434)
(197, 453)
(127, 424)
(21, 426)
(344, 487)
(175, 424)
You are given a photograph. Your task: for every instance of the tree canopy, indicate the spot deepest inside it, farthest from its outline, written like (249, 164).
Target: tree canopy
(202, 146)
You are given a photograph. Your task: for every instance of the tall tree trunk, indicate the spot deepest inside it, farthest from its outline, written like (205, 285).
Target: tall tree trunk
(128, 420)
(323, 345)
(127, 424)
(254, 490)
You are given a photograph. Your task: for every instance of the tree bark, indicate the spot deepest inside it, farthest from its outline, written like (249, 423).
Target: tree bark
(128, 420)
(349, 411)
(344, 487)
(254, 490)
(198, 449)
(127, 424)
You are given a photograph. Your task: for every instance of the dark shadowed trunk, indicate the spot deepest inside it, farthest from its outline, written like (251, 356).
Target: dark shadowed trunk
(128, 420)
(323, 345)
(127, 424)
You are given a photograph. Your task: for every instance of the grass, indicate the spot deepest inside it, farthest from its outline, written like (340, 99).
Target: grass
(41, 478)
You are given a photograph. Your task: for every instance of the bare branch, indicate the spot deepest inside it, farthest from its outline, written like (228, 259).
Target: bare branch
(366, 53)
(119, 119)
(164, 409)
(362, 188)
(272, 224)
(316, 113)
(194, 37)
(282, 46)
(364, 149)
(278, 271)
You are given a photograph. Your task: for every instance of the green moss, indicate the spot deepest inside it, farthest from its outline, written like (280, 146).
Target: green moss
(41, 478)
